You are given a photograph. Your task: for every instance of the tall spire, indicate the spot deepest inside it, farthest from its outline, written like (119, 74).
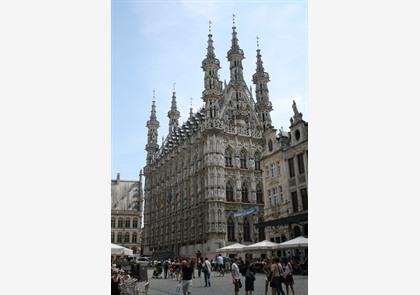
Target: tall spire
(235, 56)
(212, 86)
(191, 109)
(173, 114)
(152, 125)
(260, 79)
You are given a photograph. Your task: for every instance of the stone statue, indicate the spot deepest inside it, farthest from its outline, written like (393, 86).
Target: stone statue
(295, 110)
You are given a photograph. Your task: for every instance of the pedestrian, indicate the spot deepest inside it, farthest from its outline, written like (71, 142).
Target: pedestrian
(276, 278)
(249, 278)
(236, 276)
(267, 271)
(199, 267)
(115, 283)
(177, 268)
(186, 276)
(220, 267)
(165, 268)
(288, 275)
(207, 271)
(227, 263)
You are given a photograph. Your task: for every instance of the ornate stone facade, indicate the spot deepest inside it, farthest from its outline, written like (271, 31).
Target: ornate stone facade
(209, 168)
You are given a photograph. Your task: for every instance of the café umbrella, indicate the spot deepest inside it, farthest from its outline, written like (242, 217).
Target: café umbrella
(231, 248)
(299, 242)
(263, 245)
(120, 250)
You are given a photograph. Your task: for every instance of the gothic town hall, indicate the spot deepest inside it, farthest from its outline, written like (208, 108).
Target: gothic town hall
(207, 173)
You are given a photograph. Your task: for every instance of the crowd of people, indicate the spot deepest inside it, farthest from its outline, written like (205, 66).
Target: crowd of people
(278, 272)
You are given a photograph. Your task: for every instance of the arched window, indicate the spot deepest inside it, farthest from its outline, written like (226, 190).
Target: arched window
(127, 238)
(296, 231)
(231, 230)
(229, 192)
(135, 223)
(260, 199)
(119, 238)
(120, 222)
(112, 237)
(261, 230)
(127, 223)
(228, 158)
(134, 238)
(257, 161)
(244, 193)
(112, 222)
(243, 159)
(247, 233)
(270, 145)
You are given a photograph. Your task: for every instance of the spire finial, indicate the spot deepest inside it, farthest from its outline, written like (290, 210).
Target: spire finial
(233, 19)
(209, 26)
(191, 102)
(154, 95)
(173, 86)
(258, 43)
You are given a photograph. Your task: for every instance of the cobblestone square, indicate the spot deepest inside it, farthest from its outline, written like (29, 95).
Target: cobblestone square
(220, 285)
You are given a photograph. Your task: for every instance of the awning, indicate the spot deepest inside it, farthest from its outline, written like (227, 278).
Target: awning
(285, 220)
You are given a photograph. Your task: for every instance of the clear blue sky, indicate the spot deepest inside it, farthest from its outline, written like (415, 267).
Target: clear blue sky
(157, 43)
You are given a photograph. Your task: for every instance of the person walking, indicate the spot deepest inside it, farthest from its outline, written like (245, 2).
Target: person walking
(207, 271)
(288, 275)
(199, 267)
(249, 278)
(165, 268)
(267, 271)
(187, 269)
(276, 278)
(236, 276)
(220, 265)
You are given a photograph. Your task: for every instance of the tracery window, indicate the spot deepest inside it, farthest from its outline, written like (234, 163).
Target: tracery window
(243, 159)
(120, 222)
(257, 161)
(134, 238)
(119, 238)
(247, 233)
(231, 230)
(229, 192)
(244, 193)
(112, 222)
(127, 238)
(260, 199)
(127, 223)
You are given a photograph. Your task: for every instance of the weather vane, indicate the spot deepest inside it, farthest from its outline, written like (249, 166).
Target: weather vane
(209, 26)
(233, 16)
(258, 43)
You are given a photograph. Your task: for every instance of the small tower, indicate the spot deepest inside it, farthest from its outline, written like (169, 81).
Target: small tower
(173, 114)
(152, 145)
(260, 79)
(212, 86)
(235, 56)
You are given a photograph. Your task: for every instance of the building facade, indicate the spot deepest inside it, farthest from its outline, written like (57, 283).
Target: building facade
(285, 162)
(204, 186)
(127, 213)
(209, 168)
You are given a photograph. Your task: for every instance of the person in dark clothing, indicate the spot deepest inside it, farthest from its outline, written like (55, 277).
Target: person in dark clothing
(165, 268)
(249, 273)
(115, 283)
(187, 270)
(199, 267)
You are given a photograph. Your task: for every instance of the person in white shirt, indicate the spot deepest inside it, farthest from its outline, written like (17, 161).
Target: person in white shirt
(236, 276)
(207, 271)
